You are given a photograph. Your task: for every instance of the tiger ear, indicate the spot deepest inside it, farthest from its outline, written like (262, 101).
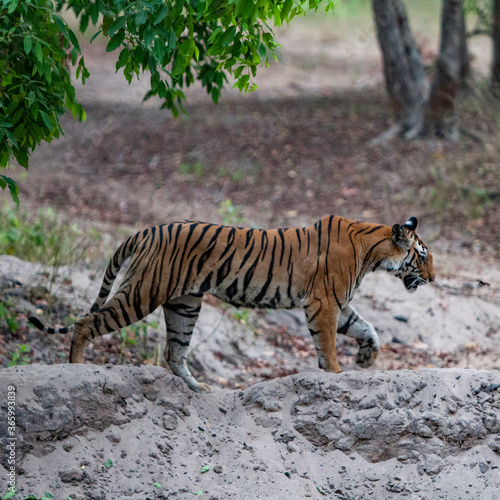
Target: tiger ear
(400, 236)
(411, 223)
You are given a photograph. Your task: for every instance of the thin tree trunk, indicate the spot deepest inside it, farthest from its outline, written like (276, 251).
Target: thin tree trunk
(440, 115)
(465, 67)
(495, 68)
(403, 69)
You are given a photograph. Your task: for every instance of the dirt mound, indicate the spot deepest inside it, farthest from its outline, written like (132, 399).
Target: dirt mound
(113, 432)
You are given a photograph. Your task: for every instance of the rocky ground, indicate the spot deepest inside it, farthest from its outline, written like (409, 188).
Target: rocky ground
(118, 432)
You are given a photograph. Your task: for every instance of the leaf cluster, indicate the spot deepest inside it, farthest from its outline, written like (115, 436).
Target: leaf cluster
(178, 41)
(36, 50)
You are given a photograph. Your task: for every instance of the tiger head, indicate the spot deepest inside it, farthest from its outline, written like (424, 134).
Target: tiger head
(412, 261)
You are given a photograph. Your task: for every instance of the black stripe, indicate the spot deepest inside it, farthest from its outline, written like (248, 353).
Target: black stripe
(247, 255)
(224, 270)
(263, 291)
(210, 248)
(343, 329)
(280, 232)
(230, 240)
(232, 289)
(320, 227)
(297, 231)
(198, 241)
(249, 237)
(249, 274)
(205, 286)
(36, 322)
(180, 342)
(125, 315)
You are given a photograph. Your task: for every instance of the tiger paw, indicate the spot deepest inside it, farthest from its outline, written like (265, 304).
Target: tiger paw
(368, 351)
(202, 387)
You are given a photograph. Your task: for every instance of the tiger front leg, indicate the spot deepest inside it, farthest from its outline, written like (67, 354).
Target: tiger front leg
(180, 317)
(322, 324)
(350, 323)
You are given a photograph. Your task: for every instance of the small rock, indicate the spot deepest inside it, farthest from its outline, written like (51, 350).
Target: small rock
(72, 475)
(114, 437)
(218, 469)
(401, 318)
(169, 422)
(483, 467)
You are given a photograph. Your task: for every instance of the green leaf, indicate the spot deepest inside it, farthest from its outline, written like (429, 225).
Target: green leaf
(21, 157)
(116, 25)
(287, 6)
(320, 490)
(204, 469)
(149, 34)
(115, 41)
(157, 485)
(28, 43)
(141, 17)
(8, 495)
(172, 40)
(161, 15)
(198, 493)
(12, 6)
(38, 52)
(108, 463)
(31, 98)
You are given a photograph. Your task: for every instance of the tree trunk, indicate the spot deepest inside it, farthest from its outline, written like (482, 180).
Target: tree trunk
(440, 115)
(465, 67)
(415, 111)
(495, 67)
(403, 69)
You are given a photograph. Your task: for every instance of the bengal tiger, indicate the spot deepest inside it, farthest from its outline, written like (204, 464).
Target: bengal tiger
(317, 267)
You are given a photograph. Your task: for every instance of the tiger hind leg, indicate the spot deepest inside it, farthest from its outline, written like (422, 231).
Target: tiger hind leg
(181, 314)
(111, 317)
(353, 325)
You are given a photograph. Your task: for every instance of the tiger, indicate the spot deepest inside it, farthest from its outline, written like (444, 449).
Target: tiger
(318, 268)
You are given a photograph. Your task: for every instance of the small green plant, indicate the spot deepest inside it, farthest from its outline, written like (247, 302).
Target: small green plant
(108, 463)
(46, 496)
(196, 170)
(231, 215)
(19, 356)
(241, 315)
(452, 190)
(138, 333)
(45, 236)
(10, 319)
(39, 237)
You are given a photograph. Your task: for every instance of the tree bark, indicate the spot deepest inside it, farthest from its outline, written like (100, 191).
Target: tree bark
(403, 69)
(465, 67)
(440, 114)
(495, 67)
(416, 111)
